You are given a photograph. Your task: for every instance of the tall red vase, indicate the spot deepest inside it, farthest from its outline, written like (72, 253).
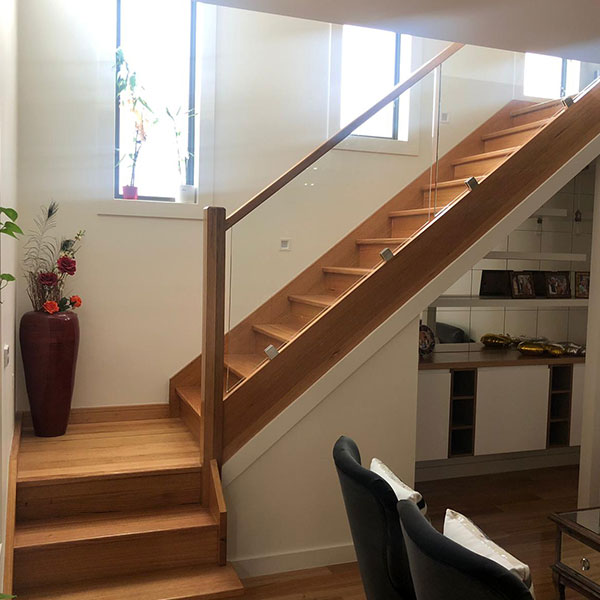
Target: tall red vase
(49, 345)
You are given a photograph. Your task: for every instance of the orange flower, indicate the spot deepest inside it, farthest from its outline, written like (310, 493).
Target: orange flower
(51, 307)
(75, 301)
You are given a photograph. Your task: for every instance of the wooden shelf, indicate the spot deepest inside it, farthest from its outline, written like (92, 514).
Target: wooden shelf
(475, 301)
(556, 256)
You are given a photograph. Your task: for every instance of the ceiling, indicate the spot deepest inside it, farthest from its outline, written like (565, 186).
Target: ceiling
(557, 27)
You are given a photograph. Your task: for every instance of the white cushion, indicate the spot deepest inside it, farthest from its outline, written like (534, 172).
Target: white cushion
(402, 491)
(464, 532)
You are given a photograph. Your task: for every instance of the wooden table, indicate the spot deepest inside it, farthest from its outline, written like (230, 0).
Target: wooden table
(577, 563)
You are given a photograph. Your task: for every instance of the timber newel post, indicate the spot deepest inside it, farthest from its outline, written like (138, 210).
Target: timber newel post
(213, 340)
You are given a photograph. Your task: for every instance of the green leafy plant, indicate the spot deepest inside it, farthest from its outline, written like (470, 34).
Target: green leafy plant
(8, 216)
(129, 94)
(178, 118)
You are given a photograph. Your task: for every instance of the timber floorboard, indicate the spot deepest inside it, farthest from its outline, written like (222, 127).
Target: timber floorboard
(512, 508)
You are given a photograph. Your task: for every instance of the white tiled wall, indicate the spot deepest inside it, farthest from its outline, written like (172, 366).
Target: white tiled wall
(553, 234)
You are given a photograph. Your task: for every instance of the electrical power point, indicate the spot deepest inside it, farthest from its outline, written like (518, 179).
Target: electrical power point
(285, 245)
(6, 355)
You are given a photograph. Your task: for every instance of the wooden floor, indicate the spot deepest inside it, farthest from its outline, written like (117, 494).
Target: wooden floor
(95, 449)
(512, 508)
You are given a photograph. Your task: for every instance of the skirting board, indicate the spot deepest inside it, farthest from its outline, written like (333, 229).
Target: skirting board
(293, 561)
(469, 466)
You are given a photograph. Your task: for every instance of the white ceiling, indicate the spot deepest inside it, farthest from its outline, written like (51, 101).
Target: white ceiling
(560, 27)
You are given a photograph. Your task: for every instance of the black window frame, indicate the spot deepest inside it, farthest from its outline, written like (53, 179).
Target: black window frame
(191, 146)
(396, 112)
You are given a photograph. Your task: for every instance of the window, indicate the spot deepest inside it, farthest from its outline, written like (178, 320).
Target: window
(373, 62)
(550, 76)
(155, 105)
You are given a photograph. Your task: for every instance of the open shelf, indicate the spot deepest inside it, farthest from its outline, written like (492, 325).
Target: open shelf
(462, 412)
(555, 256)
(559, 405)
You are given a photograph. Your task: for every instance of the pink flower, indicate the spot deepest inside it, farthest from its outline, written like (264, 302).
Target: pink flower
(67, 265)
(48, 279)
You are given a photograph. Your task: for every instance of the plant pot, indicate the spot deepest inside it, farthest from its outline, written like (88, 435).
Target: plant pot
(130, 192)
(49, 345)
(186, 194)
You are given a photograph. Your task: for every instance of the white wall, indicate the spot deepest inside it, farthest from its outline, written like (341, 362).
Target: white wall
(140, 278)
(286, 511)
(8, 197)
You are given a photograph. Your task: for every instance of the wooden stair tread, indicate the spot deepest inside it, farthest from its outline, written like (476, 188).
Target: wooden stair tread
(411, 212)
(243, 365)
(516, 129)
(280, 331)
(347, 270)
(485, 156)
(205, 583)
(535, 107)
(381, 241)
(449, 184)
(319, 300)
(94, 526)
(192, 394)
(104, 450)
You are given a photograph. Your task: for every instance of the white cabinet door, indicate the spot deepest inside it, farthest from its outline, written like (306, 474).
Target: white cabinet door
(577, 405)
(433, 415)
(512, 409)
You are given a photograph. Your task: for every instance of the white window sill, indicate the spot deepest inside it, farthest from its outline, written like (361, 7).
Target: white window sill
(150, 209)
(357, 143)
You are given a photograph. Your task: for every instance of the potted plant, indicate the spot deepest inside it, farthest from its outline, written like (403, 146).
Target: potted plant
(129, 97)
(49, 334)
(8, 227)
(185, 193)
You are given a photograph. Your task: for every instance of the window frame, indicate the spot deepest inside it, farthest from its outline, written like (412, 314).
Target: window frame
(563, 78)
(192, 86)
(362, 143)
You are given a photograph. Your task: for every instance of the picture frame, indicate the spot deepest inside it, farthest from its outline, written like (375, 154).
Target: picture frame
(522, 285)
(494, 284)
(582, 284)
(558, 284)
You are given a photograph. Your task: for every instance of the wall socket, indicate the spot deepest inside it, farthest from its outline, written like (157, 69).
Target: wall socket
(285, 245)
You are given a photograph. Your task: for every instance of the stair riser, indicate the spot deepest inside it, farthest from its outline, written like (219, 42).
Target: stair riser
(115, 557)
(107, 495)
(477, 167)
(509, 141)
(261, 341)
(443, 196)
(305, 312)
(403, 227)
(338, 283)
(536, 115)
(369, 254)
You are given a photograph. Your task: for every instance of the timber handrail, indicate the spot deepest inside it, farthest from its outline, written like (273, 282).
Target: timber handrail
(341, 135)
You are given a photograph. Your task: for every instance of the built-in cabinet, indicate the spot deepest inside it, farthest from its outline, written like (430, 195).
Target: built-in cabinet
(494, 410)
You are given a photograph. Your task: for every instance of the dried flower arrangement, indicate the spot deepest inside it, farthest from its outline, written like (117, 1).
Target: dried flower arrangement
(48, 263)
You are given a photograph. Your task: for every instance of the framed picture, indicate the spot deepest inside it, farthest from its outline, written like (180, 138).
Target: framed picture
(521, 284)
(582, 284)
(558, 284)
(494, 284)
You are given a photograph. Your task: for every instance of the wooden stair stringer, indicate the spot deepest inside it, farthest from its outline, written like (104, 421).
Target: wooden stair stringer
(257, 400)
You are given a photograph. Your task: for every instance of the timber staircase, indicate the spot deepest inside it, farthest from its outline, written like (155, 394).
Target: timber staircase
(113, 510)
(255, 390)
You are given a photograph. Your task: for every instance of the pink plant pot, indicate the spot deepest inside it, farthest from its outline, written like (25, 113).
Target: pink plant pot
(130, 192)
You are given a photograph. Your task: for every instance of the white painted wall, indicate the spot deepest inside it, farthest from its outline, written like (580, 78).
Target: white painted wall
(8, 197)
(140, 278)
(286, 510)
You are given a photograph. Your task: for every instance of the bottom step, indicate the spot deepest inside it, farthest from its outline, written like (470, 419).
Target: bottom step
(191, 583)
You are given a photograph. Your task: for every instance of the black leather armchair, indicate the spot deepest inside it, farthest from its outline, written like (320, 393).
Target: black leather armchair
(444, 570)
(371, 508)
